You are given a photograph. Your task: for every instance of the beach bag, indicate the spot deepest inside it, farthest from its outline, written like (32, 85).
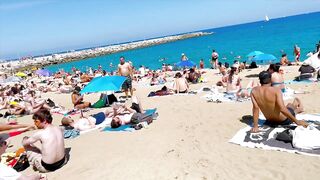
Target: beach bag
(50, 103)
(22, 163)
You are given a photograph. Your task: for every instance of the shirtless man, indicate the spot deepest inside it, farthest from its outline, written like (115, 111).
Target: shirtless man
(85, 122)
(180, 84)
(123, 115)
(269, 100)
(125, 69)
(51, 156)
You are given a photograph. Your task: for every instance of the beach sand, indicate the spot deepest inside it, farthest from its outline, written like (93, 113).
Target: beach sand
(189, 140)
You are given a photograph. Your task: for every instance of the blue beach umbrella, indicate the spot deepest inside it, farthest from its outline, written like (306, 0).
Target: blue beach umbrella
(102, 84)
(43, 72)
(254, 53)
(264, 58)
(187, 63)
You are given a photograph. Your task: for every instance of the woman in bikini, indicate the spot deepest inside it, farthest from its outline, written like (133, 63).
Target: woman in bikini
(276, 78)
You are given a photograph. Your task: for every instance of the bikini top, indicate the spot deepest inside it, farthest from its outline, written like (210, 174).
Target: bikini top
(276, 83)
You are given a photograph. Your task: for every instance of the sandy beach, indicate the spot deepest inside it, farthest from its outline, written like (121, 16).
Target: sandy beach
(189, 140)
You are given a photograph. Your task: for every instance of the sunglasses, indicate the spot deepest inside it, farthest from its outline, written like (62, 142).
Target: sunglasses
(3, 143)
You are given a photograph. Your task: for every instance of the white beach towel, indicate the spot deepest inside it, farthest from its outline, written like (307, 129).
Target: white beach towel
(265, 138)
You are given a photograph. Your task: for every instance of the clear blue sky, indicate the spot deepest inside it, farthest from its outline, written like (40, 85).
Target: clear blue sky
(30, 27)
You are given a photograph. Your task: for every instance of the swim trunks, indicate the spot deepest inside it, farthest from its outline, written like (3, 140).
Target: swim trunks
(100, 117)
(283, 123)
(127, 84)
(54, 166)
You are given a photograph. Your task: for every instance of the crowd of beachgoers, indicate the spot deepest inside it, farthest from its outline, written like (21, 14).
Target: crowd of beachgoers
(22, 94)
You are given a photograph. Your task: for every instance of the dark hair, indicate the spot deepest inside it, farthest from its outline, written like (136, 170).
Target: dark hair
(213, 50)
(284, 55)
(274, 67)
(233, 69)
(265, 77)
(77, 89)
(114, 124)
(178, 75)
(121, 57)
(43, 115)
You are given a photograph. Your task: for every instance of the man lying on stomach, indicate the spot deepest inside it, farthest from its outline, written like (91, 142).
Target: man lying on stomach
(269, 100)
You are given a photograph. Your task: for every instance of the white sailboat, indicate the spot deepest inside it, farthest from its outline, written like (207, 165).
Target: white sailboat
(267, 18)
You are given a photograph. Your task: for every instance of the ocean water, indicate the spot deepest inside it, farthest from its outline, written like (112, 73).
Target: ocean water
(275, 37)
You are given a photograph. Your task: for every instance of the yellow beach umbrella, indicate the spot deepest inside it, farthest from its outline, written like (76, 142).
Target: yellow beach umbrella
(21, 74)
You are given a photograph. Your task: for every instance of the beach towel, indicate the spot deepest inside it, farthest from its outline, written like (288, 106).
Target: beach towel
(267, 137)
(223, 97)
(99, 104)
(306, 81)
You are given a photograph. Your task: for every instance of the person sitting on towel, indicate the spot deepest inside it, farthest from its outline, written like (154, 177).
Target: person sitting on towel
(122, 114)
(269, 100)
(85, 122)
(306, 70)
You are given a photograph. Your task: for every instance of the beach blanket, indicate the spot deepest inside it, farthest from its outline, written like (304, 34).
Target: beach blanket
(223, 97)
(267, 137)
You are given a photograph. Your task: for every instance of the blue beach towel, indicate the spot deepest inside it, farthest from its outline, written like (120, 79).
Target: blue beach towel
(299, 82)
(126, 128)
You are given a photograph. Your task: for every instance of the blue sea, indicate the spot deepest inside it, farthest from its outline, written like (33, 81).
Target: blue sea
(275, 37)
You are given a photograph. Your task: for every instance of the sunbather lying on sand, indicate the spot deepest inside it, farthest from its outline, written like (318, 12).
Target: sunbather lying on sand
(269, 100)
(122, 114)
(85, 122)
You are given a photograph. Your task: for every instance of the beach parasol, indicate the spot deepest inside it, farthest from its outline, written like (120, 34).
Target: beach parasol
(254, 53)
(264, 58)
(21, 74)
(102, 84)
(187, 63)
(43, 72)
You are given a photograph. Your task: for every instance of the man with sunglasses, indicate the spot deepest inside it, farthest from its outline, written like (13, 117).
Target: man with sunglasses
(51, 156)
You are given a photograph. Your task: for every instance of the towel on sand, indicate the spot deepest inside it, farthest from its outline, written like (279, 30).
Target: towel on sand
(266, 138)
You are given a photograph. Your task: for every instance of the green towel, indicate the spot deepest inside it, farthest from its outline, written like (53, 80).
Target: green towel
(99, 104)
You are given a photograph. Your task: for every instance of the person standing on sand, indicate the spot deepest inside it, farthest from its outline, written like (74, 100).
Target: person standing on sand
(269, 100)
(201, 64)
(125, 69)
(214, 59)
(296, 52)
(51, 156)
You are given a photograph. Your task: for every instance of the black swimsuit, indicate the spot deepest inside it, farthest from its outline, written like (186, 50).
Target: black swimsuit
(54, 166)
